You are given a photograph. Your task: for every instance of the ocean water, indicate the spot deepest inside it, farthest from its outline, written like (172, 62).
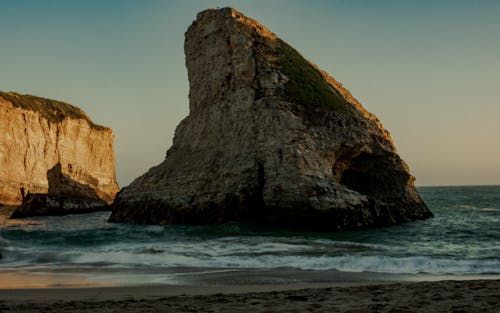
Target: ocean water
(462, 239)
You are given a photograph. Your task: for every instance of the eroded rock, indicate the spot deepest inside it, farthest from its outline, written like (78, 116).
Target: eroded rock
(270, 138)
(42, 135)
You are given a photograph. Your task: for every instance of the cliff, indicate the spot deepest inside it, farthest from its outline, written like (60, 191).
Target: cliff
(270, 138)
(39, 135)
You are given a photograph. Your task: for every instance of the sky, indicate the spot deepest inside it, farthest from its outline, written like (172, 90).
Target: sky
(430, 70)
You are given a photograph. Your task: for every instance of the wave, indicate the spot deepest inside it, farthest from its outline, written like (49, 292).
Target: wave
(489, 210)
(248, 253)
(409, 265)
(346, 263)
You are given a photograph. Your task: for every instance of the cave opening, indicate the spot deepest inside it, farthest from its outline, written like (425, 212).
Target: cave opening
(371, 175)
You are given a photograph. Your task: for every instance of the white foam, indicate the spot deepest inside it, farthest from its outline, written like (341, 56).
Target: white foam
(347, 263)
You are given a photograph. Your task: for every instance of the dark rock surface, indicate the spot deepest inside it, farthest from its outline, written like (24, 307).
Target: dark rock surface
(52, 205)
(270, 138)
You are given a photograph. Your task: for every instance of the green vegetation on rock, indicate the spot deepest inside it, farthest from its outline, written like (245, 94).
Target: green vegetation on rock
(306, 85)
(52, 110)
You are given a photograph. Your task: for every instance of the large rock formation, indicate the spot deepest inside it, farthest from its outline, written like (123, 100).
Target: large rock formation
(46, 142)
(270, 138)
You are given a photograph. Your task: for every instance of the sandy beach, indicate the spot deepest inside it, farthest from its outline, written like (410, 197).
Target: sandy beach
(442, 296)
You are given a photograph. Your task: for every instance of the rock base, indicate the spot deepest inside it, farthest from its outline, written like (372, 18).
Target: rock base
(369, 214)
(49, 205)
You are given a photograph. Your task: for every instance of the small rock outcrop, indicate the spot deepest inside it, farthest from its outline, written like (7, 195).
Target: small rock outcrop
(51, 147)
(270, 138)
(53, 205)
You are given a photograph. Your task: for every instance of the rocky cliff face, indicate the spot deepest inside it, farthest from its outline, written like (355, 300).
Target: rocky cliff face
(43, 139)
(270, 138)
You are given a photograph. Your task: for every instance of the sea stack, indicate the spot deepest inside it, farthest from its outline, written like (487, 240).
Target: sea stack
(53, 159)
(270, 138)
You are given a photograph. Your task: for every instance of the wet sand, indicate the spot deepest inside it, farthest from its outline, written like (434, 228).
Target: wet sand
(440, 296)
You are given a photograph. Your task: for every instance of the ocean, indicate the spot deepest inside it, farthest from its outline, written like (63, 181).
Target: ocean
(463, 239)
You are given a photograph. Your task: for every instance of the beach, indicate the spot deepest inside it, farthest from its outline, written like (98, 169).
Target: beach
(439, 296)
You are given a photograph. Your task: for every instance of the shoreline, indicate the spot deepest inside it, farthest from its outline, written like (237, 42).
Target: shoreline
(92, 277)
(439, 296)
(105, 293)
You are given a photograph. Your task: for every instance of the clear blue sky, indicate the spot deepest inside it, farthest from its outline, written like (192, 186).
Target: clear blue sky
(430, 70)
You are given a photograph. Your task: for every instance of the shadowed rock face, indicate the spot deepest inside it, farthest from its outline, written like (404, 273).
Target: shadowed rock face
(270, 138)
(71, 191)
(73, 182)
